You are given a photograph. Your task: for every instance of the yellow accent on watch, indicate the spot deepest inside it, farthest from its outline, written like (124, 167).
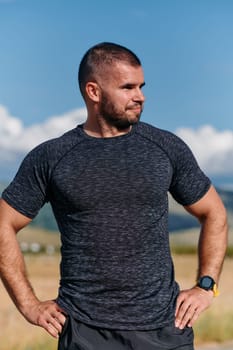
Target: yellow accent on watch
(215, 290)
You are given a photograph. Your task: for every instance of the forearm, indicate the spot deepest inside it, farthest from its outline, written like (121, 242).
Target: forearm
(212, 245)
(46, 314)
(13, 271)
(212, 215)
(211, 252)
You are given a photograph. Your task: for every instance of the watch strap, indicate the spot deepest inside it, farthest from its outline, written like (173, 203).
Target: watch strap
(215, 290)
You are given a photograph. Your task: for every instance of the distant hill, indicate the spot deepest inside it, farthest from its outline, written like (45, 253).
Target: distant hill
(2, 186)
(179, 219)
(227, 198)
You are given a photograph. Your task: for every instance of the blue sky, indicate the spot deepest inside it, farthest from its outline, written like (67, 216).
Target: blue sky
(185, 46)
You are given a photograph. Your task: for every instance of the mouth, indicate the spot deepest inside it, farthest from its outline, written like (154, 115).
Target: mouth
(135, 107)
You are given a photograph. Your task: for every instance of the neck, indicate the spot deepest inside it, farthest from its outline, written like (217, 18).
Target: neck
(99, 128)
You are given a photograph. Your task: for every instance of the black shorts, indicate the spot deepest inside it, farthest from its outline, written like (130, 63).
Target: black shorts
(79, 336)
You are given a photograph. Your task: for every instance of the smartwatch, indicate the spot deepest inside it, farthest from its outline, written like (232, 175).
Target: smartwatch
(208, 283)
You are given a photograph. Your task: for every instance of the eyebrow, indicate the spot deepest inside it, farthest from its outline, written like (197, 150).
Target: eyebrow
(132, 84)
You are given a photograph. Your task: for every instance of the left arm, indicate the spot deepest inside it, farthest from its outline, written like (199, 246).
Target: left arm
(211, 213)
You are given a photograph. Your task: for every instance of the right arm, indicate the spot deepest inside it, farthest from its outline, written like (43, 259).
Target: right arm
(46, 314)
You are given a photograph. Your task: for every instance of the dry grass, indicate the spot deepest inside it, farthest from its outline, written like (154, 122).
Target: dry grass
(32, 234)
(216, 324)
(15, 332)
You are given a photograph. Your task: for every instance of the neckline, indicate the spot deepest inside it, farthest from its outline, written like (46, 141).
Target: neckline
(105, 139)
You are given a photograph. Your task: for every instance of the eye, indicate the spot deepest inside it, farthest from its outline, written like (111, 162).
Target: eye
(128, 87)
(132, 86)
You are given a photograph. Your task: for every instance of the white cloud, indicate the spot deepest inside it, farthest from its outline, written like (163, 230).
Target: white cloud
(212, 148)
(9, 125)
(16, 139)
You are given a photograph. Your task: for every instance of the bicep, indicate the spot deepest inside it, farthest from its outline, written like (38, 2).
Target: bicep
(209, 205)
(11, 218)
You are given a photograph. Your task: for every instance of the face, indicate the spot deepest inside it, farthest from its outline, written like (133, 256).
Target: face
(121, 99)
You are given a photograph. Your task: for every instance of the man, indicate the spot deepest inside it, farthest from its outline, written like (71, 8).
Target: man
(107, 181)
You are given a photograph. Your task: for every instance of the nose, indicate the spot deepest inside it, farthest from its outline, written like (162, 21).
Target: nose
(139, 96)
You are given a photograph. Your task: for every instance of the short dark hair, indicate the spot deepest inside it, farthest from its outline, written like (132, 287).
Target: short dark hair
(100, 55)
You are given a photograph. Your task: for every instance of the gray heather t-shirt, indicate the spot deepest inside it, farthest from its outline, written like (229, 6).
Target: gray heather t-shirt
(109, 197)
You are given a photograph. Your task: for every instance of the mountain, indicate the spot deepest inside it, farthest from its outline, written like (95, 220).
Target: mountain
(2, 186)
(179, 219)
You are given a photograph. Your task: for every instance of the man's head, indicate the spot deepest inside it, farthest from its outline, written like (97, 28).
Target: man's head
(110, 80)
(101, 57)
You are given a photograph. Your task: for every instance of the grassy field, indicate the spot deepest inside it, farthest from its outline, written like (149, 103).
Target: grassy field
(215, 325)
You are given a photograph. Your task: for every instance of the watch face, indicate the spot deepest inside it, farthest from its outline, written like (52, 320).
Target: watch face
(206, 282)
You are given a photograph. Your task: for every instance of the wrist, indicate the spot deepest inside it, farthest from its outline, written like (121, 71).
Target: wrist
(208, 284)
(26, 308)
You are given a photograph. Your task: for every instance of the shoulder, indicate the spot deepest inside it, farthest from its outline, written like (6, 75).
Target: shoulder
(43, 158)
(151, 131)
(54, 149)
(163, 138)
(66, 140)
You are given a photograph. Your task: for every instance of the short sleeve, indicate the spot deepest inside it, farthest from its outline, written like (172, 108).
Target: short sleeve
(189, 183)
(27, 193)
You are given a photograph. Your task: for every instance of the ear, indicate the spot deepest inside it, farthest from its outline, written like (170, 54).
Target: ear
(93, 91)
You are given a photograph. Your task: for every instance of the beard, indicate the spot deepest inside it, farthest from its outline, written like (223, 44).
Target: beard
(121, 119)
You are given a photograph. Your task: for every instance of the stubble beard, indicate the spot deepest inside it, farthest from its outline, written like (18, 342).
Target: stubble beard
(115, 118)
